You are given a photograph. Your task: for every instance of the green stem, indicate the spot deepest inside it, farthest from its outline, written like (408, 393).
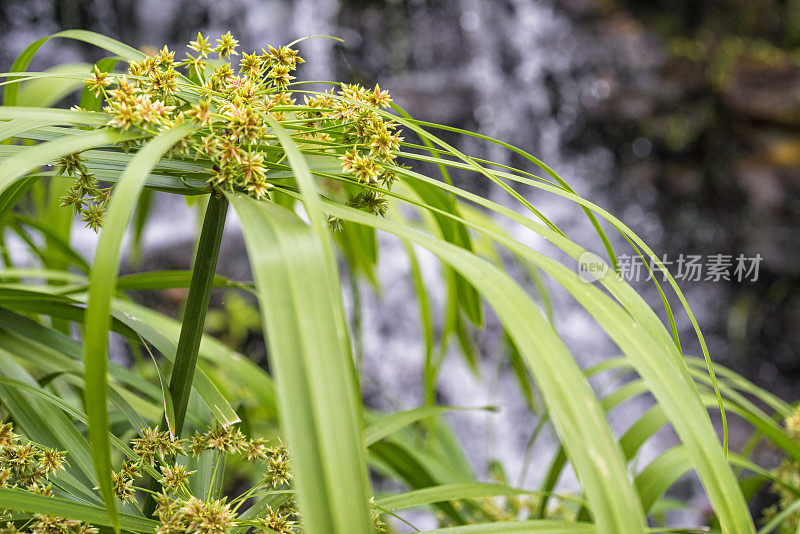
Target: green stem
(5, 255)
(213, 476)
(194, 315)
(194, 318)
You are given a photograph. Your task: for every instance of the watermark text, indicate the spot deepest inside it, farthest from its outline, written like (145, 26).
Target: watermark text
(682, 267)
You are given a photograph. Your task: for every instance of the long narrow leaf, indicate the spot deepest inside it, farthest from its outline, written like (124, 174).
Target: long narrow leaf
(309, 353)
(13, 169)
(519, 527)
(11, 93)
(24, 501)
(102, 286)
(574, 408)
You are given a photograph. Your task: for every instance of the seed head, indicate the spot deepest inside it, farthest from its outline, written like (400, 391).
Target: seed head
(97, 82)
(278, 467)
(793, 424)
(231, 109)
(276, 521)
(226, 46)
(197, 444)
(256, 449)
(212, 517)
(20, 456)
(251, 65)
(123, 487)
(131, 469)
(378, 98)
(166, 58)
(45, 524)
(71, 164)
(173, 477)
(52, 460)
(93, 217)
(370, 201)
(201, 112)
(201, 45)
(279, 74)
(283, 55)
(362, 166)
(155, 444)
(7, 436)
(226, 439)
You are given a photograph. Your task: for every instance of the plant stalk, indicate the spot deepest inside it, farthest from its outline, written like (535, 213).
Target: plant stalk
(194, 315)
(194, 318)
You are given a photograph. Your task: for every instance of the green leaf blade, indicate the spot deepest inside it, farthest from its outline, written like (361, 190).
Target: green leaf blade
(102, 286)
(311, 359)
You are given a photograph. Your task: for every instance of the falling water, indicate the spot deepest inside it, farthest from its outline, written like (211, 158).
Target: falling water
(520, 63)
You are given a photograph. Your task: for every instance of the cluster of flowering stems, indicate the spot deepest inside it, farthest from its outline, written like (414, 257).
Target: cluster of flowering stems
(179, 511)
(234, 111)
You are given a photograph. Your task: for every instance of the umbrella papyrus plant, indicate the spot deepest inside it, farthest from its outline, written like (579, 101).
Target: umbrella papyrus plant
(312, 176)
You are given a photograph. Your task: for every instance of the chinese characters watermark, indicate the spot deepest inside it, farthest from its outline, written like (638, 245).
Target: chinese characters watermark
(684, 267)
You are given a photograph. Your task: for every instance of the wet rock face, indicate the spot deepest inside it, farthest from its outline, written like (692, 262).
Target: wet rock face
(720, 115)
(722, 121)
(767, 91)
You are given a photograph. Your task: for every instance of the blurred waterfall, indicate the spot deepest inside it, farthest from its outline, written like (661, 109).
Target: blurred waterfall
(520, 67)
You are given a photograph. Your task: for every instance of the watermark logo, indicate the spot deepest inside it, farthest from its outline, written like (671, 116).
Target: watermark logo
(684, 267)
(592, 267)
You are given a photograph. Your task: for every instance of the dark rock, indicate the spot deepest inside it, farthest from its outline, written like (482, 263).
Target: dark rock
(765, 91)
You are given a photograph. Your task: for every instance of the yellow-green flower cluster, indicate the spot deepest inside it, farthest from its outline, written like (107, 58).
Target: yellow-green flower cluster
(353, 120)
(181, 512)
(277, 521)
(231, 106)
(787, 475)
(27, 466)
(85, 194)
(194, 516)
(787, 480)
